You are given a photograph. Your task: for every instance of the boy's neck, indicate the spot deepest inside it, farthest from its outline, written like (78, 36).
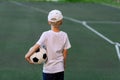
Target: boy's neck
(55, 29)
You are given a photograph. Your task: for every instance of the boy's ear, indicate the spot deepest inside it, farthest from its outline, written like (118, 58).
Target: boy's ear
(49, 22)
(60, 22)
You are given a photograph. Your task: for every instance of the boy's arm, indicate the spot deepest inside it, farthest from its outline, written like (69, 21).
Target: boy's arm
(30, 52)
(65, 51)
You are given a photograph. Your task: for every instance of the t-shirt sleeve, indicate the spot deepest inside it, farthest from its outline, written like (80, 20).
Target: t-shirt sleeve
(67, 43)
(42, 39)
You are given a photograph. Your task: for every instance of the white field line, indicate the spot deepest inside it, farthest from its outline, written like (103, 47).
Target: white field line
(68, 18)
(104, 22)
(96, 32)
(113, 6)
(90, 28)
(34, 8)
(84, 23)
(117, 46)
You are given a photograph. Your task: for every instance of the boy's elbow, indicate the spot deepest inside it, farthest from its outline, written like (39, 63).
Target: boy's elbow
(27, 56)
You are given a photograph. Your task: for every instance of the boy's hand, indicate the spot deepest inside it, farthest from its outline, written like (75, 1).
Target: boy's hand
(30, 52)
(28, 59)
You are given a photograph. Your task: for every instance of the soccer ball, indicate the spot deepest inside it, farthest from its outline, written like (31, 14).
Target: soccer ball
(39, 56)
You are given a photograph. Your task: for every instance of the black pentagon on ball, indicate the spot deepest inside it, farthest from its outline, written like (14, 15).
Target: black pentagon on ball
(35, 59)
(44, 56)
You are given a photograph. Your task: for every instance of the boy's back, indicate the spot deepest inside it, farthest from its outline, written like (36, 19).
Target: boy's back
(55, 42)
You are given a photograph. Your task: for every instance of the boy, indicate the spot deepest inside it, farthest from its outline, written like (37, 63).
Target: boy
(57, 45)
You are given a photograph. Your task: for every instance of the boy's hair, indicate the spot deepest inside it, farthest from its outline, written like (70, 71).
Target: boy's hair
(58, 23)
(55, 16)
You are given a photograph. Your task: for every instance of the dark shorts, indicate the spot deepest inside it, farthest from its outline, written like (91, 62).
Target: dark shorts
(53, 76)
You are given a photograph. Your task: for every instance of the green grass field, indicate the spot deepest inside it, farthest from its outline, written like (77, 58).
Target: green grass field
(90, 58)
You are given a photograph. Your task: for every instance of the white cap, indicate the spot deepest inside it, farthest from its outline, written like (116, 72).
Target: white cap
(55, 15)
